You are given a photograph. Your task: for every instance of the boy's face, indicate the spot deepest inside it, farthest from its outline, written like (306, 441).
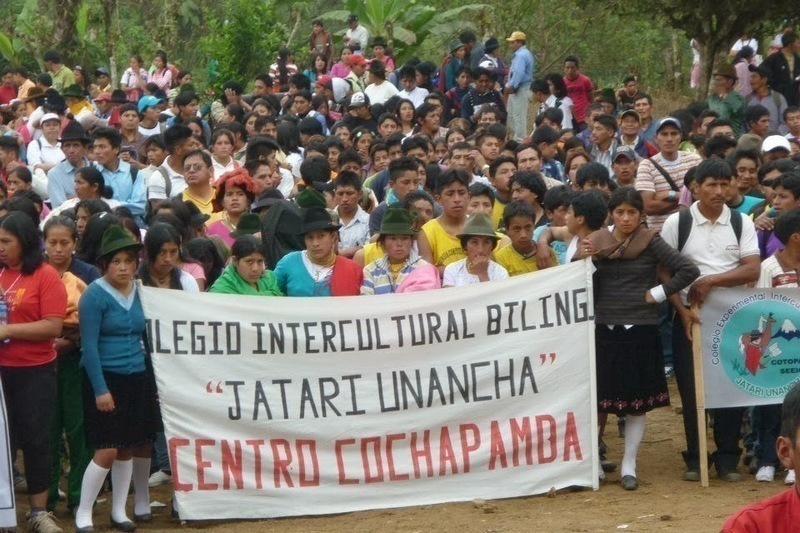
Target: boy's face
(522, 194)
(549, 150)
(454, 198)
(490, 148)
(589, 185)
(346, 198)
(784, 200)
(572, 222)
(793, 122)
(479, 204)
(421, 211)
(409, 83)
(405, 183)
(502, 176)
(520, 230)
(601, 134)
(558, 217)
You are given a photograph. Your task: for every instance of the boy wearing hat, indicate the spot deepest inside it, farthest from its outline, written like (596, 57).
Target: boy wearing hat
(148, 115)
(379, 54)
(493, 61)
(478, 240)
(61, 178)
(45, 152)
(102, 82)
(629, 134)
(623, 165)
(726, 102)
(358, 65)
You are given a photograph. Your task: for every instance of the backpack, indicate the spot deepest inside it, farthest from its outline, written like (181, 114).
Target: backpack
(685, 226)
(167, 189)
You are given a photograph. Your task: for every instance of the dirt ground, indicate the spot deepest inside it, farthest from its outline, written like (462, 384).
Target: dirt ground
(663, 502)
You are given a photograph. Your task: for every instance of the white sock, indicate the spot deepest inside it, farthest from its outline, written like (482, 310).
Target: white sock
(141, 487)
(121, 473)
(93, 478)
(634, 432)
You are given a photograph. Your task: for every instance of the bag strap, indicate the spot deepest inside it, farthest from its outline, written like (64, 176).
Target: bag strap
(134, 173)
(684, 227)
(666, 175)
(736, 224)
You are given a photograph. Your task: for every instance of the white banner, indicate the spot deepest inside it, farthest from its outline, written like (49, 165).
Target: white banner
(751, 346)
(298, 406)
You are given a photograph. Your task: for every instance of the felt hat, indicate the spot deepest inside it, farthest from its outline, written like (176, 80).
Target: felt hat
(668, 121)
(749, 141)
(316, 218)
(491, 45)
(196, 217)
(455, 45)
(352, 18)
(148, 101)
(34, 94)
(249, 224)
(54, 102)
(378, 41)
(115, 239)
(118, 97)
(517, 36)
(103, 97)
(396, 221)
(762, 70)
(74, 132)
(308, 198)
(479, 225)
(727, 70)
(73, 91)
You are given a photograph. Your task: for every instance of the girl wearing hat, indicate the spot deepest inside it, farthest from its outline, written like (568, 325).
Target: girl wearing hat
(36, 303)
(119, 394)
(391, 272)
(317, 270)
(235, 193)
(452, 64)
(247, 273)
(478, 240)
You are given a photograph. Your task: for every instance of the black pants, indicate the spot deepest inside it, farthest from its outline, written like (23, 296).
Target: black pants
(727, 422)
(30, 395)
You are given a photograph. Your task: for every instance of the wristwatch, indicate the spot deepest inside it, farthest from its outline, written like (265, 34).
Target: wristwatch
(672, 196)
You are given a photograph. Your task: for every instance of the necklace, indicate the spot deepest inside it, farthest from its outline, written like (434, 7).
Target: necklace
(8, 290)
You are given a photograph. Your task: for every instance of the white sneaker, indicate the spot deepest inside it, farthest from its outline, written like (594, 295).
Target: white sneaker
(790, 476)
(159, 478)
(766, 473)
(43, 523)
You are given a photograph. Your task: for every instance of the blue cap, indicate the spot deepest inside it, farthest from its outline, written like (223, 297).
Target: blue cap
(148, 101)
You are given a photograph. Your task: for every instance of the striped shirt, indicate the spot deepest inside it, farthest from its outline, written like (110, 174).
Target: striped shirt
(378, 274)
(650, 179)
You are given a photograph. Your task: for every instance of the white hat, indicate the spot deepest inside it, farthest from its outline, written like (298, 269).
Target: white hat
(49, 116)
(775, 142)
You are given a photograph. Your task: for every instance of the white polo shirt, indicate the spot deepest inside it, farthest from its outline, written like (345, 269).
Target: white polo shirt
(355, 232)
(712, 246)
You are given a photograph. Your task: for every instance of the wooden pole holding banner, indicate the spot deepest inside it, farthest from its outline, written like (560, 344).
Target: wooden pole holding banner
(700, 398)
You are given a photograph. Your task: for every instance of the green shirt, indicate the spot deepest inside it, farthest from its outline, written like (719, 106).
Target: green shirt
(63, 78)
(230, 282)
(730, 108)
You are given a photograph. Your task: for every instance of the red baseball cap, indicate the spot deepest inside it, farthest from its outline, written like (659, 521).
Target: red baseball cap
(357, 59)
(325, 81)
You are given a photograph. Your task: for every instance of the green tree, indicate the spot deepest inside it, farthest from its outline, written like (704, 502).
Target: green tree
(407, 23)
(244, 43)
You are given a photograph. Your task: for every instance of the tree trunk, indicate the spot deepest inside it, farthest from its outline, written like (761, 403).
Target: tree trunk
(64, 31)
(712, 53)
(109, 13)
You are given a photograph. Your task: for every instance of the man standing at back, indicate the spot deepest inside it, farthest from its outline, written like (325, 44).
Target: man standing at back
(357, 36)
(62, 75)
(660, 178)
(579, 89)
(518, 87)
(785, 68)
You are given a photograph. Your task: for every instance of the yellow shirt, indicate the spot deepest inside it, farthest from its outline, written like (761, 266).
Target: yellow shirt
(372, 252)
(207, 208)
(497, 213)
(516, 264)
(445, 248)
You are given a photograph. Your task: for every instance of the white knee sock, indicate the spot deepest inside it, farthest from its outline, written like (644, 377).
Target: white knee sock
(93, 478)
(141, 487)
(121, 480)
(634, 432)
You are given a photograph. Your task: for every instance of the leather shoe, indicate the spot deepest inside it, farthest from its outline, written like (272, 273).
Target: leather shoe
(126, 526)
(629, 482)
(148, 517)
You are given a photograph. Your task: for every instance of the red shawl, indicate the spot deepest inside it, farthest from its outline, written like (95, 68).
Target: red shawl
(346, 278)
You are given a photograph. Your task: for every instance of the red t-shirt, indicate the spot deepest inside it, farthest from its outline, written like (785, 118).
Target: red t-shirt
(7, 94)
(778, 514)
(580, 92)
(31, 298)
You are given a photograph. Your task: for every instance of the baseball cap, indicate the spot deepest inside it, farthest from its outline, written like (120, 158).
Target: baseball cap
(668, 121)
(775, 142)
(53, 116)
(102, 71)
(103, 97)
(517, 36)
(630, 113)
(325, 81)
(352, 18)
(358, 100)
(356, 59)
(148, 101)
(625, 151)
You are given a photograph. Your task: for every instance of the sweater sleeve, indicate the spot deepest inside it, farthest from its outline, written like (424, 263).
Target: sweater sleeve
(90, 316)
(684, 271)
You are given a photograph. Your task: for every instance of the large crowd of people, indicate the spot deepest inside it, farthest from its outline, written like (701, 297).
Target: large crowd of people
(361, 176)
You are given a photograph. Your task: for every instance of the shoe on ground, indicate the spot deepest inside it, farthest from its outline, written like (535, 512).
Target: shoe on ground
(148, 517)
(766, 473)
(126, 525)
(731, 477)
(790, 477)
(629, 482)
(43, 523)
(691, 474)
(159, 478)
(608, 466)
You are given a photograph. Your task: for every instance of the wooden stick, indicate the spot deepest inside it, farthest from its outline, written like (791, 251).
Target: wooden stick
(700, 398)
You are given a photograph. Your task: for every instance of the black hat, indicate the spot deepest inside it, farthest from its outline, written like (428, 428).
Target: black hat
(317, 218)
(54, 102)
(491, 45)
(196, 217)
(762, 70)
(102, 71)
(378, 41)
(74, 132)
(352, 18)
(118, 97)
(249, 224)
